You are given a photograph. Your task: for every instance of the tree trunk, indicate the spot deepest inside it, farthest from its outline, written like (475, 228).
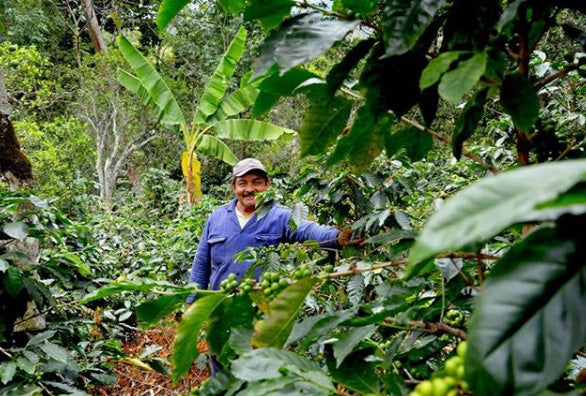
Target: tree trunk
(94, 26)
(17, 169)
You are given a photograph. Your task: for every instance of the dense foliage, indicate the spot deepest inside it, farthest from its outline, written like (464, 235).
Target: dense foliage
(448, 135)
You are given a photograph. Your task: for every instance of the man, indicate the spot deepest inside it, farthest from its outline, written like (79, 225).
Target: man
(234, 227)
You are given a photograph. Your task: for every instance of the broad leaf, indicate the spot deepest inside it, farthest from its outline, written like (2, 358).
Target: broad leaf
(150, 312)
(322, 124)
(519, 100)
(530, 318)
(300, 39)
(185, 346)
(299, 214)
(340, 71)
(468, 121)
(13, 281)
(236, 102)
(437, 67)
(18, 230)
(38, 338)
(55, 352)
(364, 141)
(393, 82)
(234, 313)
(142, 286)
(7, 371)
(276, 85)
(158, 92)
(251, 130)
(347, 342)
(213, 146)
(270, 13)
(355, 373)
(216, 88)
(509, 14)
(405, 21)
(232, 6)
(458, 82)
(490, 205)
(411, 141)
(274, 330)
(167, 11)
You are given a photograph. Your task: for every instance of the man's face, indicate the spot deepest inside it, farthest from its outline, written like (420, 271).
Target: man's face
(245, 187)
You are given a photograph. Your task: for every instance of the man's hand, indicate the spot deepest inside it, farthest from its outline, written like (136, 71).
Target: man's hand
(345, 238)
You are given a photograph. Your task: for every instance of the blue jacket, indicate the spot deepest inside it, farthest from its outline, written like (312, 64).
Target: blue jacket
(222, 238)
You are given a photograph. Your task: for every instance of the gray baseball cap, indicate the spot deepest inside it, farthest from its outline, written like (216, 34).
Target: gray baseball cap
(247, 165)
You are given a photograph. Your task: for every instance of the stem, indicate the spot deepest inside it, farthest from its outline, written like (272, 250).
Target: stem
(432, 327)
(436, 135)
(4, 351)
(443, 298)
(447, 140)
(400, 261)
(552, 77)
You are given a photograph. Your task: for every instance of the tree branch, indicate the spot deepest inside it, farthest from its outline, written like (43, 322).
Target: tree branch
(447, 140)
(554, 76)
(431, 327)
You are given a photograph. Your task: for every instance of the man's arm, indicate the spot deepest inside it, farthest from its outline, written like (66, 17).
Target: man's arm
(201, 268)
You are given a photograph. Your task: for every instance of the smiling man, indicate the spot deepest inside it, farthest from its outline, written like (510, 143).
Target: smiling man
(234, 227)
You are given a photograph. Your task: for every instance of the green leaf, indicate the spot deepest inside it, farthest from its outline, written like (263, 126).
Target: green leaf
(154, 92)
(264, 363)
(150, 312)
(458, 82)
(355, 373)
(322, 124)
(364, 141)
(347, 342)
(437, 67)
(55, 352)
(490, 205)
(400, 72)
(184, 348)
(232, 6)
(274, 330)
(358, 7)
(16, 230)
(251, 130)
(213, 146)
(236, 102)
(404, 21)
(167, 11)
(340, 71)
(509, 14)
(269, 387)
(234, 313)
(270, 13)
(77, 263)
(38, 338)
(216, 88)
(530, 317)
(298, 215)
(13, 281)
(391, 236)
(300, 39)
(140, 285)
(7, 371)
(519, 100)
(468, 121)
(410, 140)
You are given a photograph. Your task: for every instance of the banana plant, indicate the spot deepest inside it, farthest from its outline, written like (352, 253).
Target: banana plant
(211, 120)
